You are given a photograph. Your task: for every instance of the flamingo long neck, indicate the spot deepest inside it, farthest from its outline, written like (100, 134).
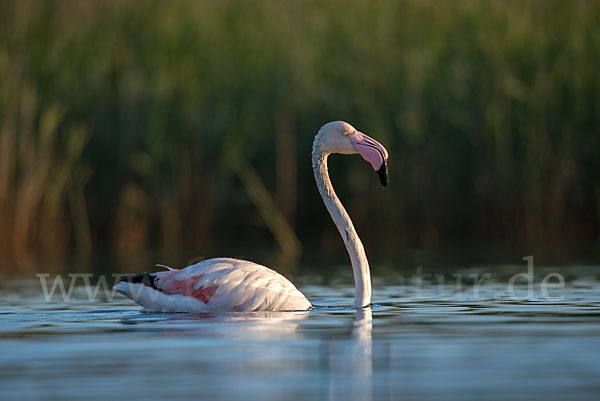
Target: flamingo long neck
(360, 265)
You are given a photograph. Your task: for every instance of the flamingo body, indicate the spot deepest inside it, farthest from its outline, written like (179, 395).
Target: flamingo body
(214, 285)
(224, 284)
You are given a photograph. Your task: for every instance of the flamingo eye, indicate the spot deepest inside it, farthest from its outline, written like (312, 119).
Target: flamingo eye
(346, 133)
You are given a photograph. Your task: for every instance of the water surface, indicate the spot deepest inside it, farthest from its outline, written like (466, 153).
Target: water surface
(416, 342)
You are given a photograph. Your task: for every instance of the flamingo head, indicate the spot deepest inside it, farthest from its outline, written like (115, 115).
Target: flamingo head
(341, 137)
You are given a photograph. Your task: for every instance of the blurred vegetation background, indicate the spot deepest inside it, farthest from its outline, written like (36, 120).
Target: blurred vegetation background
(187, 125)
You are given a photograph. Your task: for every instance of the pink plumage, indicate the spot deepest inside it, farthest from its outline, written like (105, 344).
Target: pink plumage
(214, 285)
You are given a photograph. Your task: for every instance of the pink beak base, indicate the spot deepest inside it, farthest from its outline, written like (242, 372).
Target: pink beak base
(374, 153)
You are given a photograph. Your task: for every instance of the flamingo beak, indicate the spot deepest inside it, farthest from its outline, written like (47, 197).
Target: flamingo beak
(373, 152)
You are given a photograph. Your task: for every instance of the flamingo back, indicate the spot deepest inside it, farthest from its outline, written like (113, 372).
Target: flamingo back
(214, 285)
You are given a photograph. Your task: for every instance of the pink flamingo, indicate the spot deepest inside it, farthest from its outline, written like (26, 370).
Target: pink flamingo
(225, 284)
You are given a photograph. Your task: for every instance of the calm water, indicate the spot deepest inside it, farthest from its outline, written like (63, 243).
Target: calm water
(418, 342)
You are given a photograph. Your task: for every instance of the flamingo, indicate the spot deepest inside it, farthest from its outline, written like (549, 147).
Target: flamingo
(226, 284)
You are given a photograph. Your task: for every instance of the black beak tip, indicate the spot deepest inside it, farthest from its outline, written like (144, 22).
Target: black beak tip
(383, 174)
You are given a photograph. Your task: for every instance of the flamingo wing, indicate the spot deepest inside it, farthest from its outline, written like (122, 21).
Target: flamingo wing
(214, 285)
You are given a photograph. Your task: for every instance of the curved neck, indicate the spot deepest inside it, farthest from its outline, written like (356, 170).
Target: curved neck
(360, 265)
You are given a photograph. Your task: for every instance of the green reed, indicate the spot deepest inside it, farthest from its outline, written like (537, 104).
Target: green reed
(124, 124)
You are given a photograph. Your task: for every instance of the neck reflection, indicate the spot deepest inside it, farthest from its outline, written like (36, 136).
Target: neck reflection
(351, 361)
